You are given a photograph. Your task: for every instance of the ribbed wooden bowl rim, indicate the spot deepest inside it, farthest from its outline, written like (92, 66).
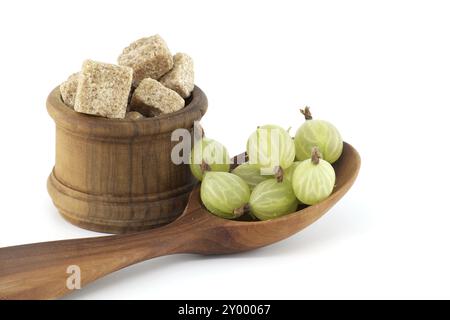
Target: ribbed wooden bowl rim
(82, 124)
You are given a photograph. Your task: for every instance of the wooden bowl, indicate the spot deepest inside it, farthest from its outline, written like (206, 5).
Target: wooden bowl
(117, 176)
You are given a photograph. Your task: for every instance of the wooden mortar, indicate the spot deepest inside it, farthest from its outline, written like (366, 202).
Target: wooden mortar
(117, 176)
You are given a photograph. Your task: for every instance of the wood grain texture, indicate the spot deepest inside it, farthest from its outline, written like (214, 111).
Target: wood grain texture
(38, 271)
(117, 176)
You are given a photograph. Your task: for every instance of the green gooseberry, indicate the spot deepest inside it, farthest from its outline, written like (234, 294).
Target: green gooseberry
(251, 174)
(224, 194)
(317, 133)
(272, 199)
(208, 155)
(272, 148)
(289, 172)
(313, 179)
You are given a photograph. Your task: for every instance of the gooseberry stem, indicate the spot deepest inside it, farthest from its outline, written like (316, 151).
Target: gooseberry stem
(307, 113)
(204, 167)
(241, 211)
(278, 173)
(315, 155)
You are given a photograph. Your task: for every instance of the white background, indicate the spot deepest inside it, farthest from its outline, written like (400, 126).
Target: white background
(378, 70)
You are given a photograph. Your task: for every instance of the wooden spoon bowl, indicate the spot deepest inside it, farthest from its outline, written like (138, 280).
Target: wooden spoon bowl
(39, 271)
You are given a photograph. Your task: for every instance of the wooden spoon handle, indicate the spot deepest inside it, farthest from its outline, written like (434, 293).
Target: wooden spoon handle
(52, 269)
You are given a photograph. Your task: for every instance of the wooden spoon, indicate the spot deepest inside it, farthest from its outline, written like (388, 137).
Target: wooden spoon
(39, 271)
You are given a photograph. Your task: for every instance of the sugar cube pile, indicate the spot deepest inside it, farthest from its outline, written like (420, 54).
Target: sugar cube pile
(147, 81)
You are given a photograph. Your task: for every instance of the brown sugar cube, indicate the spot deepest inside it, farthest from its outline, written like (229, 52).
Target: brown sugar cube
(68, 90)
(133, 115)
(153, 96)
(103, 89)
(181, 77)
(148, 57)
